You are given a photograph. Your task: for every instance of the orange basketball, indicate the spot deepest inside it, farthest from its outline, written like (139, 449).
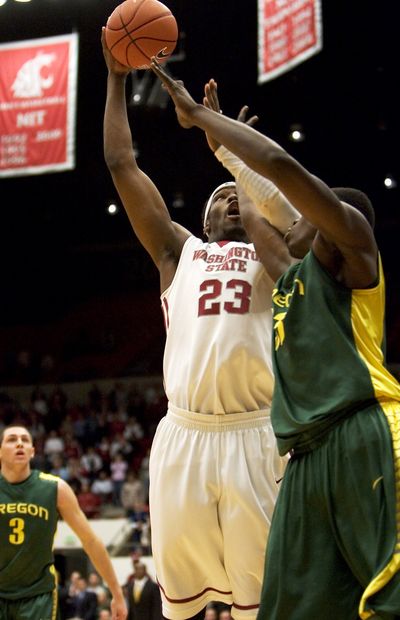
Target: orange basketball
(139, 29)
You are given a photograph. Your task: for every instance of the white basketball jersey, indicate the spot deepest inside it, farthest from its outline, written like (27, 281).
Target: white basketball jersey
(218, 321)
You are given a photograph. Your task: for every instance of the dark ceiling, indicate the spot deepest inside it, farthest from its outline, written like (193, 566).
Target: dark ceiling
(59, 246)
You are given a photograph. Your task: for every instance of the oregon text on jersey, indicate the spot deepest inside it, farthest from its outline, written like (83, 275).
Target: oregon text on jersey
(283, 301)
(23, 508)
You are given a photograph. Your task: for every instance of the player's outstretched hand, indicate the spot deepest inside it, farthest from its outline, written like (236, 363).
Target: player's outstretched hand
(112, 64)
(211, 101)
(118, 610)
(184, 103)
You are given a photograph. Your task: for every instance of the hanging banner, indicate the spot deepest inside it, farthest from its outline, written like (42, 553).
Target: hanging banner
(289, 32)
(38, 88)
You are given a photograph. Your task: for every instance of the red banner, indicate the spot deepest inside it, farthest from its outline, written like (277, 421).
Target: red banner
(289, 32)
(38, 83)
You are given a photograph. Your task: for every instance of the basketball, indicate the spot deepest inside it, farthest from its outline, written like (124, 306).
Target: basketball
(138, 29)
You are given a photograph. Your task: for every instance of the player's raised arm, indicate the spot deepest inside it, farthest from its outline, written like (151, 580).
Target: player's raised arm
(268, 199)
(338, 223)
(72, 514)
(142, 201)
(268, 241)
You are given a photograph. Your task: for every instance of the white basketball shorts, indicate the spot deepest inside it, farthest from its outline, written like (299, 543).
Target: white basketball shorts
(214, 480)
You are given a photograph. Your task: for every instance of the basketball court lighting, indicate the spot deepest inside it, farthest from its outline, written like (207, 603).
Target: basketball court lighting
(2, 2)
(112, 208)
(296, 133)
(389, 182)
(22, 0)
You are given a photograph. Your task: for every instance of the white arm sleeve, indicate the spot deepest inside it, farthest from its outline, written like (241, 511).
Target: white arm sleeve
(273, 205)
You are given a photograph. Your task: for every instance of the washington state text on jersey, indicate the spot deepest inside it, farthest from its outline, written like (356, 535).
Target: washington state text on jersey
(235, 259)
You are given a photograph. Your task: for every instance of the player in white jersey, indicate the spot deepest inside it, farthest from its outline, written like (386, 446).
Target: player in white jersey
(214, 468)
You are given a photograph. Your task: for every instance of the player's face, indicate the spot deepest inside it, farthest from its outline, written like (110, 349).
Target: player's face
(16, 446)
(224, 218)
(299, 237)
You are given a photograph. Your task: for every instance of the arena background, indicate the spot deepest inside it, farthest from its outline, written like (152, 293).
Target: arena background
(79, 309)
(75, 284)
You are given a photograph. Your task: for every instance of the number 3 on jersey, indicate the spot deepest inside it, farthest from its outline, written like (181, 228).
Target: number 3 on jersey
(18, 535)
(210, 302)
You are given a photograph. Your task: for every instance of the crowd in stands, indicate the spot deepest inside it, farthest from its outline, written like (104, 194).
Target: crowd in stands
(88, 598)
(100, 446)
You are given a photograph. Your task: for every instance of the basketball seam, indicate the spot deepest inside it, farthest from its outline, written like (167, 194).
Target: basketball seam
(130, 32)
(137, 46)
(150, 21)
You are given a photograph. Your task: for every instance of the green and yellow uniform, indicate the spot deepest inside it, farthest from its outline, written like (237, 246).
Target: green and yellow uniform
(336, 409)
(28, 522)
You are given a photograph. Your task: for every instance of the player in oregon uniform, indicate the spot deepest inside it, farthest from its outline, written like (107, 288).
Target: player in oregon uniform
(214, 468)
(334, 545)
(30, 505)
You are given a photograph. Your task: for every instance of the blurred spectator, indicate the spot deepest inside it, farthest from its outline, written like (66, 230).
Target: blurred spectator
(72, 583)
(135, 557)
(96, 585)
(89, 502)
(72, 449)
(225, 614)
(103, 601)
(118, 398)
(211, 612)
(145, 536)
(39, 402)
(91, 463)
(79, 426)
(137, 405)
(92, 434)
(140, 520)
(84, 602)
(118, 468)
(116, 423)
(103, 449)
(120, 445)
(36, 425)
(53, 445)
(104, 614)
(64, 601)
(58, 467)
(143, 596)
(133, 494)
(74, 474)
(103, 486)
(133, 430)
(144, 473)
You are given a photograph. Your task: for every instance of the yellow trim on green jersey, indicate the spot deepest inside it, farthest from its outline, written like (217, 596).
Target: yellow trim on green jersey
(391, 411)
(367, 310)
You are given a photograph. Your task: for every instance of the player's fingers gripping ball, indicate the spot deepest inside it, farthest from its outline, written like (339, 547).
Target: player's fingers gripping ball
(137, 30)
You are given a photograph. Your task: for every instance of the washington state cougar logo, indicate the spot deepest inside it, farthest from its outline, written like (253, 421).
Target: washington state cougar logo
(29, 81)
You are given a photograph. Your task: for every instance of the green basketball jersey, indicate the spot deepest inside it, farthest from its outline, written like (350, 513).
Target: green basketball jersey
(328, 353)
(28, 523)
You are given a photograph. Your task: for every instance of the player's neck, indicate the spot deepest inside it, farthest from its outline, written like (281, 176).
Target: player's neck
(14, 474)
